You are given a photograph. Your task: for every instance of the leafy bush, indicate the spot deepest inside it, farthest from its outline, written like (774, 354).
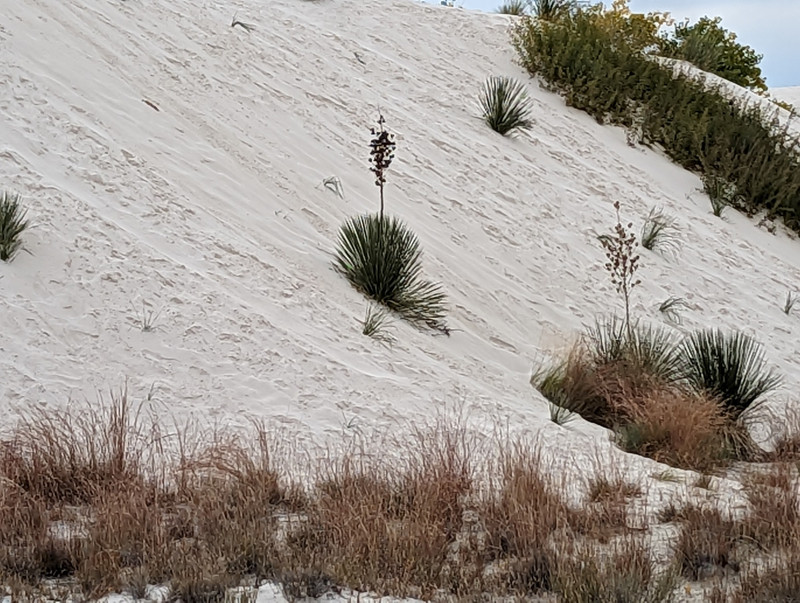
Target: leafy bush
(505, 105)
(730, 367)
(597, 60)
(12, 225)
(712, 48)
(381, 258)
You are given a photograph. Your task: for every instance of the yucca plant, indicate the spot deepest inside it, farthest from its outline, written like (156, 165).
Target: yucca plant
(381, 258)
(12, 225)
(643, 349)
(549, 10)
(513, 7)
(659, 232)
(729, 366)
(505, 105)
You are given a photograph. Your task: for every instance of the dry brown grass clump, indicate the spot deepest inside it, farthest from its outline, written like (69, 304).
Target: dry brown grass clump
(787, 444)
(523, 512)
(640, 382)
(674, 427)
(72, 457)
(388, 526)
(708, 543)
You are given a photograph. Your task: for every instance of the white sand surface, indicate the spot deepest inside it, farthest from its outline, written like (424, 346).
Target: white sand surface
(789, 94)
(209, 212)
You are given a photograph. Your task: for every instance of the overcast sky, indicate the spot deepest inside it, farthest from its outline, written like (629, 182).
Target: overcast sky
(771, 27)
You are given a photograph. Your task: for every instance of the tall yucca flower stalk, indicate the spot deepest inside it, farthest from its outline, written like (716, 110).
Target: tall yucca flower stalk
(381, 153)
(623, 261)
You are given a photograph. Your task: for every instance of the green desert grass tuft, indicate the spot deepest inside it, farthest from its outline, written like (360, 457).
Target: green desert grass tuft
(12, 224)
(505, 106)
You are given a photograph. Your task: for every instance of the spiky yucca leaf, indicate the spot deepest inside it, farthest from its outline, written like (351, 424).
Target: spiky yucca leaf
(548, 10)
(505, 105)
(644, 349)
(513, 7)
(377, 323)
(729, 366)
(381, 258)
(12, 225)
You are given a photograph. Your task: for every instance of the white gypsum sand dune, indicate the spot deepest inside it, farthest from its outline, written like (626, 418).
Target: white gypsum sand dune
(172, 168)
(789, 94)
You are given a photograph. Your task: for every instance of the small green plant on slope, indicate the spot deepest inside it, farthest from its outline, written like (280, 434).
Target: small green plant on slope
(381, 257)
(12, 225)
(376, 325)
(721, 193)
(729, 366)
(505, 105)
(659, 232)
(623, 261)
(671, 307)
(791, 299)
(513, 7)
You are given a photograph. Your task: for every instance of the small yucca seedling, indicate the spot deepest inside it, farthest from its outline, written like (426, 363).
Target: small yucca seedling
(377, 324)
(513, 7)
(789, 303)
(560, 415)
(721, 193)
(671, 308)
(505, 105)
(12, 225)
(660, 232)
(147, 319)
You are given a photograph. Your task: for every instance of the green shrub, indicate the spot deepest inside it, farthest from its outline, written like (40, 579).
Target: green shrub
(12, 225)
(730, 367)
(381, 258)
(596, 60)
(505, 105)
(712, 48)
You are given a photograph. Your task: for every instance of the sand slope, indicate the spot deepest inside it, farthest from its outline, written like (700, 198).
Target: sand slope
(209, 211)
